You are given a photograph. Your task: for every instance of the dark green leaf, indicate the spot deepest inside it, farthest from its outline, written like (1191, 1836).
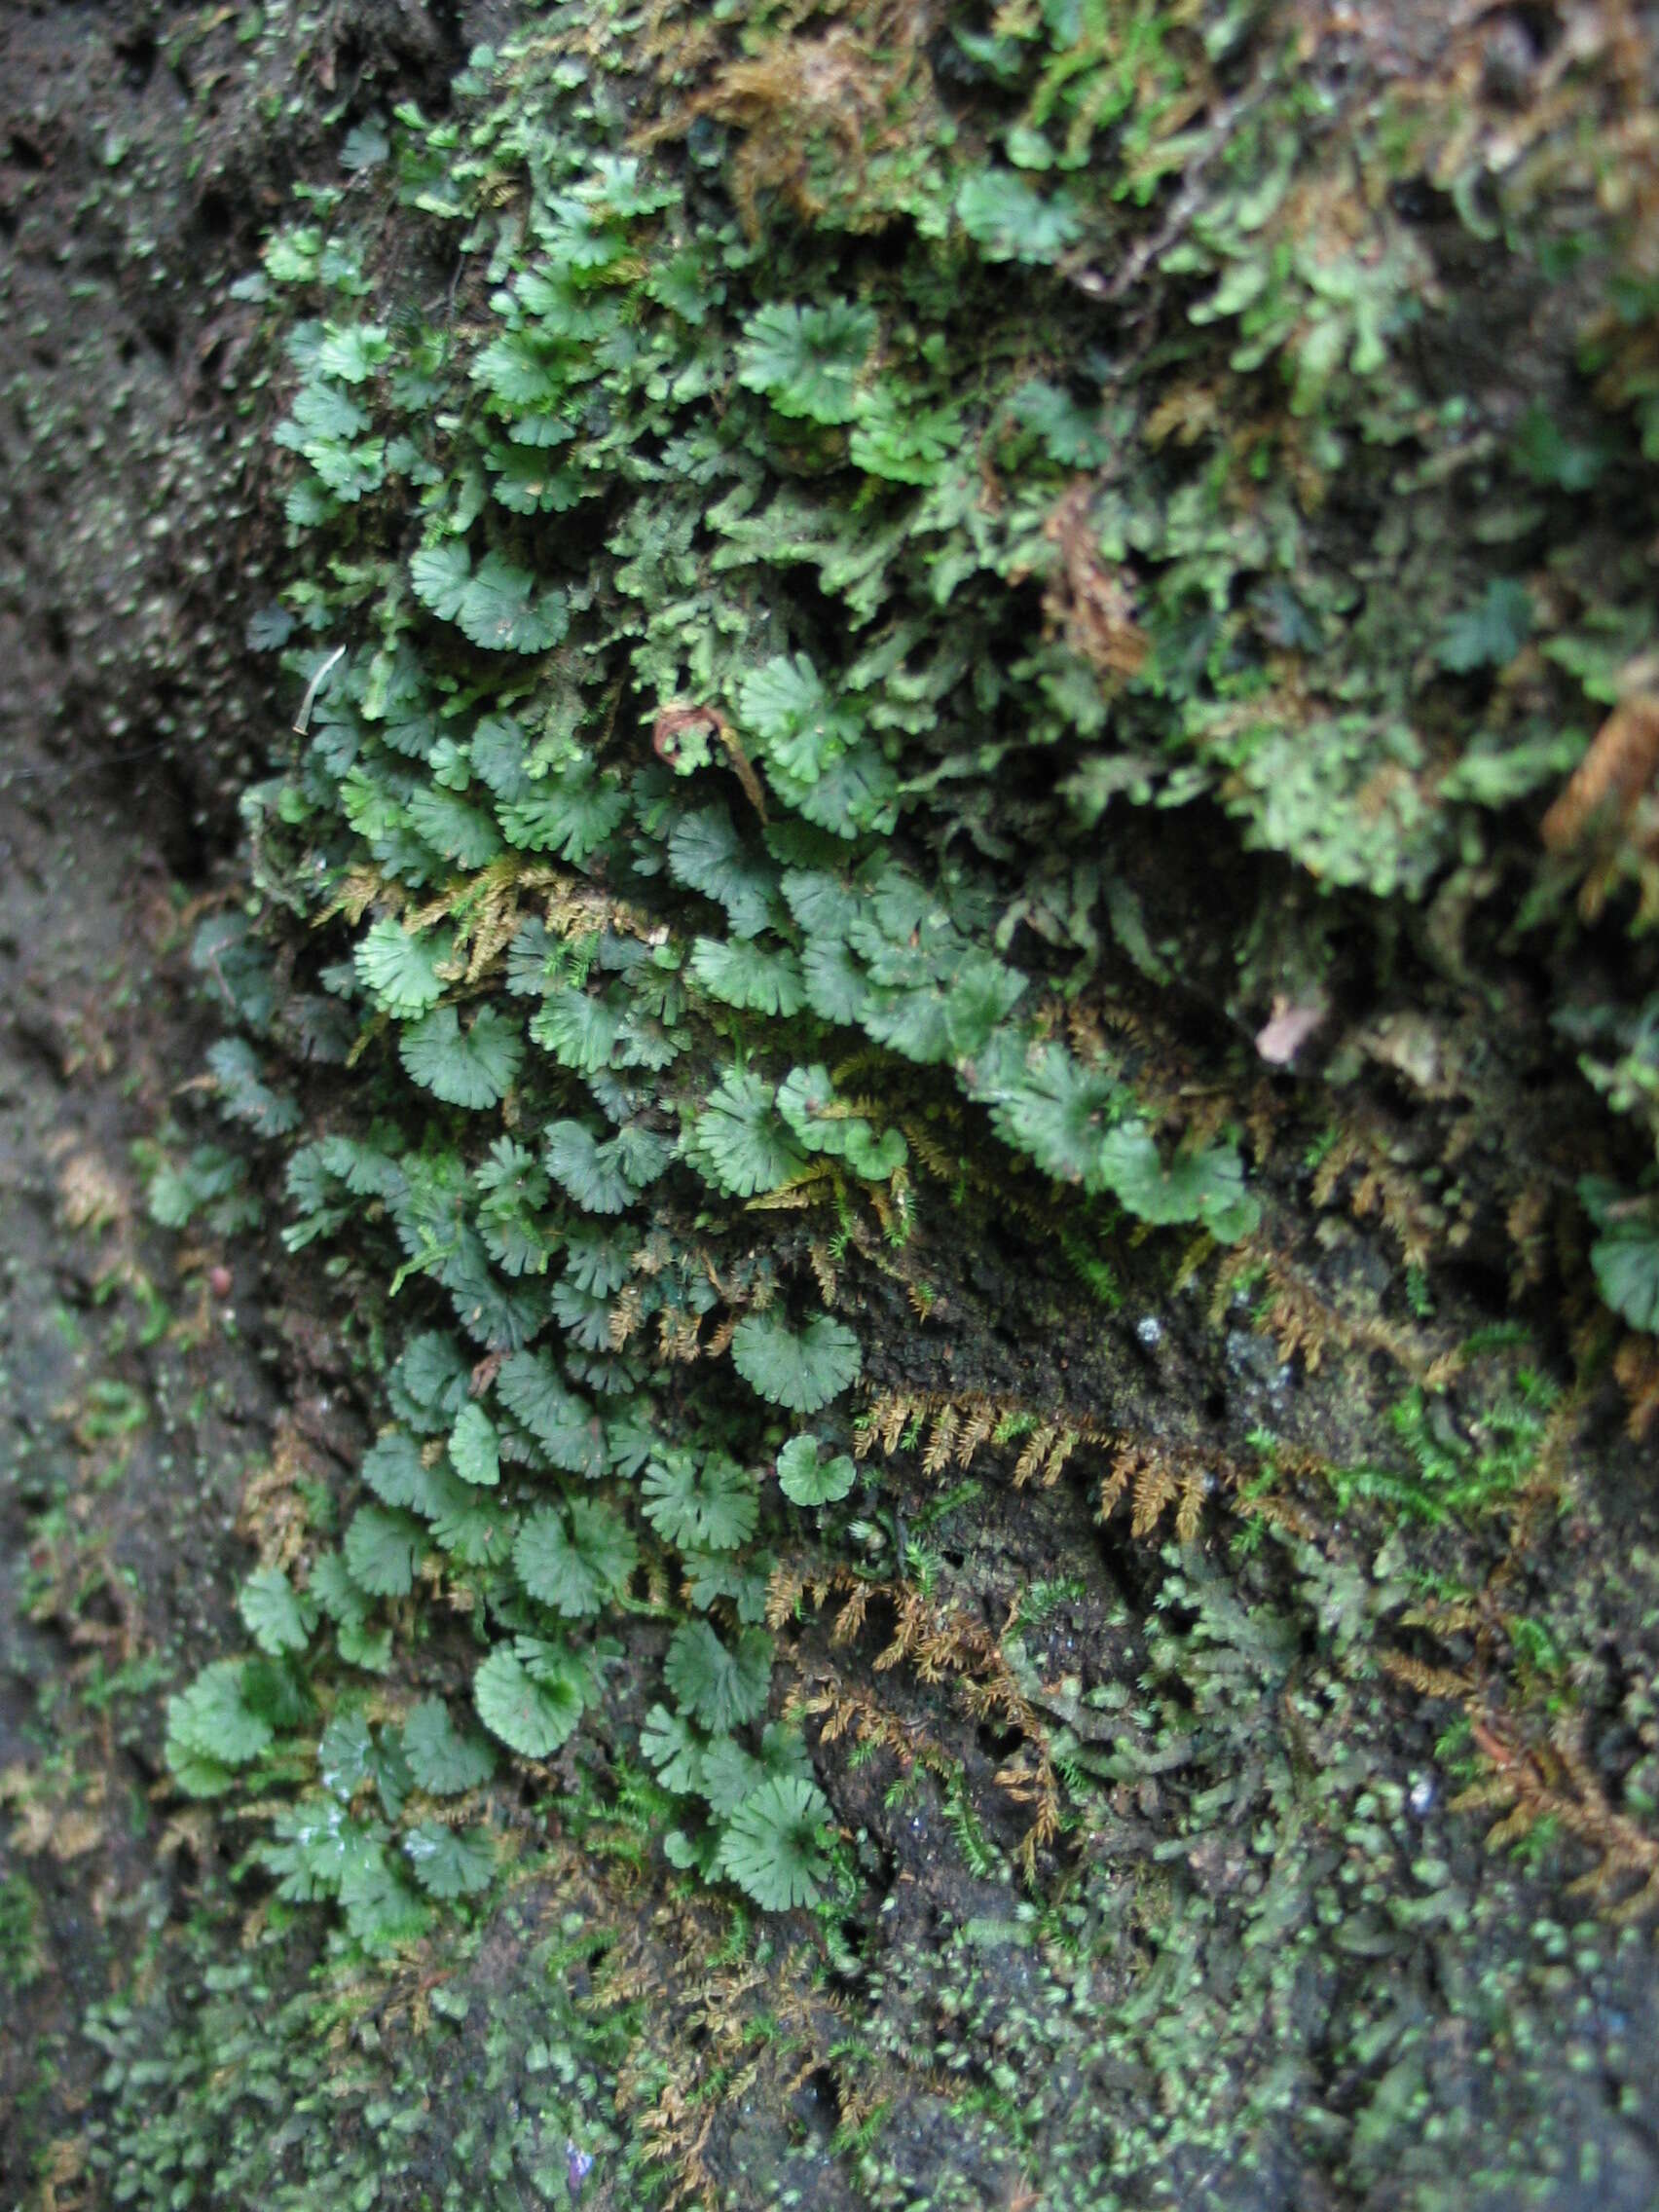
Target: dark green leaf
(701, 1501)
(742, 1142)
(278, 1617)
(717, 1687)
(383, 1550)
(475, 1449)
(1491, 634)
(772, 1846)
(574, 1557)
(450, 1862)
(807, 1476)
(444, 1760)
(464, 1067)
(532, 1707)
(802, 1368)
(807, 361)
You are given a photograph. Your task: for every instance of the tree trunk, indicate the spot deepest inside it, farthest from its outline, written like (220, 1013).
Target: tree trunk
(829, 1105)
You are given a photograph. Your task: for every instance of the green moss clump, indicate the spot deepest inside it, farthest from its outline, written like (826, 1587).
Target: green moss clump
(890, 618)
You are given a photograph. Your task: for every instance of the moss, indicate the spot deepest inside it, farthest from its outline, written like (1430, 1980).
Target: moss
(932, 654)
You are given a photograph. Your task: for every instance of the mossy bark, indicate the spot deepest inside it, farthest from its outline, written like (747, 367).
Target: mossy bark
(1214, 1597)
